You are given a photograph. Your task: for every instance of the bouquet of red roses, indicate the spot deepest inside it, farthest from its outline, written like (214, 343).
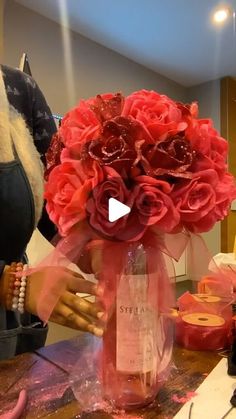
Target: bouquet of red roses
(169, 167)
(149, 152)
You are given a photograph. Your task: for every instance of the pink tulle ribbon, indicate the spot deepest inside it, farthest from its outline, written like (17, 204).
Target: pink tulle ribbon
(80, 242)
(83, 241)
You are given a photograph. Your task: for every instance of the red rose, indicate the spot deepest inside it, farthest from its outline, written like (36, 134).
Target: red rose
(218, 154)
(113, 186)
(67, 192)
(225, 193)
(173, 157)
(84, 123)
(189, 111)
(79, 126)
(199, 133)
(196, 199)
(154, 204)
(159, 114)
(116, 147)
(53, 154)
(211, 149)
(107, 106)
(203, 162)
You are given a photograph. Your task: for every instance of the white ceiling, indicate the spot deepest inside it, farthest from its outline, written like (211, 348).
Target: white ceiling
(175, 38)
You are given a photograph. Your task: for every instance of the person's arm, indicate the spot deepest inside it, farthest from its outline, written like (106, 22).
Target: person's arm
(70, 310)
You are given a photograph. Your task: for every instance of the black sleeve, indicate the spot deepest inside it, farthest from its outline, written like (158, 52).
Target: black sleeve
(43, 128)
(26, 97)
(2, 266)
(43, 124)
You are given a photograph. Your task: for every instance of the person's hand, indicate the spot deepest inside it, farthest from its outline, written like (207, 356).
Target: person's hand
(70, 310)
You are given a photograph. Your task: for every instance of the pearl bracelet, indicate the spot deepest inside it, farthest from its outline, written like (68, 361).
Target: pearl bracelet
(17, 286)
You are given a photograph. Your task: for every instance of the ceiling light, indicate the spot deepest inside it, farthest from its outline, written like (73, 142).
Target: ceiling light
(221, 15)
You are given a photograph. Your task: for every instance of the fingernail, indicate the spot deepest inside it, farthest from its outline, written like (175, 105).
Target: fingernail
(100, 314)
(98, 332)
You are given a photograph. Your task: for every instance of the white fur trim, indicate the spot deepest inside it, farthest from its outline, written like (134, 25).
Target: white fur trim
(6, 152)
(13, 129)
(29, 158)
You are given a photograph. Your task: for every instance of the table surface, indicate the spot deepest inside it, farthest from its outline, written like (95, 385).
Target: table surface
(45, 375)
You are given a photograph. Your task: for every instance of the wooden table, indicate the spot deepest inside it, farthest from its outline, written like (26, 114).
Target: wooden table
(49, 393)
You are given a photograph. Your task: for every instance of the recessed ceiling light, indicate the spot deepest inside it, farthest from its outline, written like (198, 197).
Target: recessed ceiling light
(221, 15)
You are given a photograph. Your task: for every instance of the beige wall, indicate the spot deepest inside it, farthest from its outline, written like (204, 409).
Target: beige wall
(96, 69)
(208, 97)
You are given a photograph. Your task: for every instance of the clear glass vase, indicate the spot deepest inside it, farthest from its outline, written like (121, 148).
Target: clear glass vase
(137, 345)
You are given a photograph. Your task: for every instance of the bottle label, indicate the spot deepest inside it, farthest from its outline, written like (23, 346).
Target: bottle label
(135, 326)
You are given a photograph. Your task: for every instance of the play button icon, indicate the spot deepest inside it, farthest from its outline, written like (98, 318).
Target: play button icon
(116, 210)
(112, 213)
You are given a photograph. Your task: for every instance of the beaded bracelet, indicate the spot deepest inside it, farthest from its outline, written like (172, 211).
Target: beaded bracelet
(22, 289)
(17, 286)
(12, 278)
